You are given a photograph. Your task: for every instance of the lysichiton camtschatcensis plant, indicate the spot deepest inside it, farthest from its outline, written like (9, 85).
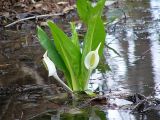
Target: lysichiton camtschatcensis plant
(65, 53)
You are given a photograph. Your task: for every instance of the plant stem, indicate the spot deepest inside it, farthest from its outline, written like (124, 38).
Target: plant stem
(74, 84)
(87, 80)
(63, 84)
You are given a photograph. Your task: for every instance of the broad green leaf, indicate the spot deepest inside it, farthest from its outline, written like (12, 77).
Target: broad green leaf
(74, 37)
(98, 9)
(49, 46)
(70, 54)
(95, 35)
(83, 9)
(99, 36)
(86, 11)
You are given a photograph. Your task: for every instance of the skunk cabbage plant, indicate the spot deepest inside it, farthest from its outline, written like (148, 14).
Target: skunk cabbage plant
(65, 53)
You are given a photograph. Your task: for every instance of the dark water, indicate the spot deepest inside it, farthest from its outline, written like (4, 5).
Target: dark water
(136, 38)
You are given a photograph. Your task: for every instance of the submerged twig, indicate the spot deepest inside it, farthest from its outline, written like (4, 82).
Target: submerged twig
(33, 17)
(6, 107)
(38, 114)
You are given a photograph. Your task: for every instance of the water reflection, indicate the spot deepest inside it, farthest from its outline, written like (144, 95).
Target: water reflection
(155, 49)
(120, 115)
(20, 58)
(138, 67)
(138, 41)
(73, 114)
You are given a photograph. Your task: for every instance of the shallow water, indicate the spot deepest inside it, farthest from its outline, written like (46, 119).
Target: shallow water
(137, 41)
(136, 38)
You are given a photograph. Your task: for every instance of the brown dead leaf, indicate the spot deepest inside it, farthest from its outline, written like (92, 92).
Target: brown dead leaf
(5, 14)
(38, 5)
(62, 3)
(99, 101)
(69, 8)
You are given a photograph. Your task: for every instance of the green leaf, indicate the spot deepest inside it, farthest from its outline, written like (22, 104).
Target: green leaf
(83, 9)
(86, 11)
(74, 37)
(95, 35)
(98, 9)
(95, 32)
(49, 46)
(70, 54)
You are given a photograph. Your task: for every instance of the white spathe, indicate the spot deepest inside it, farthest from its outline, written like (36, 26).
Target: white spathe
(53, 72)
(92, 59)
(50, 65)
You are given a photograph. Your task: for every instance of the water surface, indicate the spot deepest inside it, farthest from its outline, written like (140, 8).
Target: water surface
(136, 38)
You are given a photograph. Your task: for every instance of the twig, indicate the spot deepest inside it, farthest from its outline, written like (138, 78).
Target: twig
(21, 116)
(6, 107)
(39, 114)
(125, 17)
(33, 17)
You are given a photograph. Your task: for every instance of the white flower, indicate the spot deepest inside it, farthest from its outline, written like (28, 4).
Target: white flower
(92, 59)
(53, 72)
(50, 65)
